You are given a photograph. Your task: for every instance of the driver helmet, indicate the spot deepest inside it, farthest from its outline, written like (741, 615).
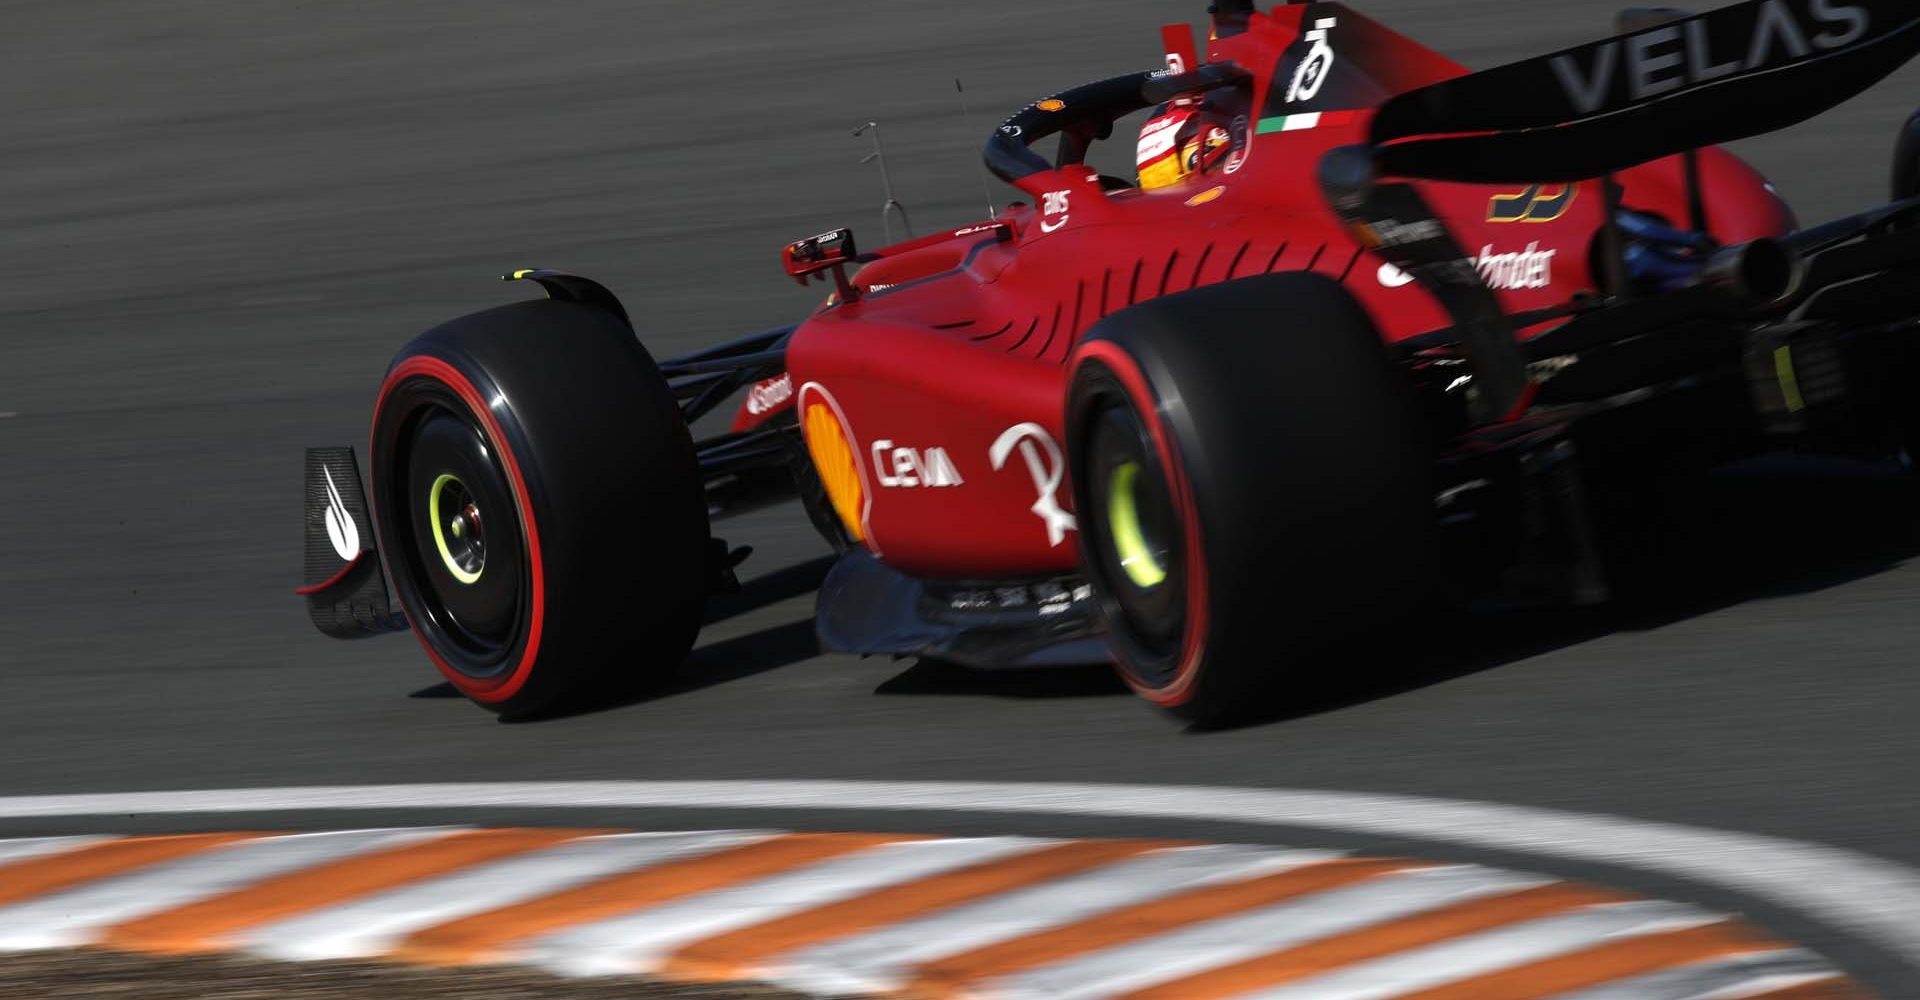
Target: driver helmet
(1183, 139)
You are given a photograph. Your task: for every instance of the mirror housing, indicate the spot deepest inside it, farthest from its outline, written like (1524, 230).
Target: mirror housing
(829, 251)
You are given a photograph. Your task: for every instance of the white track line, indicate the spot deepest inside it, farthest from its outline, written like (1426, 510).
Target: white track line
(1762, 988)
(882, 960)
(1221, 941)
(375, 924)
(638, 942)
(22, 850)
(1749, 971)
(77, 916)
(1875, 898)
(1491, 951)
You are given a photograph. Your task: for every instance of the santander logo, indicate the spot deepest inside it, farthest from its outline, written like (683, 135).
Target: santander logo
(765, 397)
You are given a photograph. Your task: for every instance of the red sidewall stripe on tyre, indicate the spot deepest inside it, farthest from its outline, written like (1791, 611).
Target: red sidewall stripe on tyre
(506, 686)
(1179, 690)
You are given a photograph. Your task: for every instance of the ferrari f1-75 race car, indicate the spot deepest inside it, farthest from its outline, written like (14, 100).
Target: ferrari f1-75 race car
(1383, 321)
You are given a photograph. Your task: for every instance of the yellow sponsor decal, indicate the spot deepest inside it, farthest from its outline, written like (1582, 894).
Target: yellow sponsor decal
(828, 442)
(1206, 196)
(1539, 203)
(1161, 173)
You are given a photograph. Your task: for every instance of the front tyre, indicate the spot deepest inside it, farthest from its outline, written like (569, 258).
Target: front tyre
(538, 498)
(1251, 484)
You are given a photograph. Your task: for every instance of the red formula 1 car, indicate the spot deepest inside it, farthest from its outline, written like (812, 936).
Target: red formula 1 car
(1375, 314)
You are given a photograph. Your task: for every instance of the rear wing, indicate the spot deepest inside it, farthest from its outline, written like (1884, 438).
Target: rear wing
(1738, 71)
(1589, 111)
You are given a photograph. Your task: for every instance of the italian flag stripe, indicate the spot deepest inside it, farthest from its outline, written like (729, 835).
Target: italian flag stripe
(1301, 122)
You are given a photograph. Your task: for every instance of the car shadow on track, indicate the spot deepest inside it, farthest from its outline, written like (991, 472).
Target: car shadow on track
(1771, 528)
(711, 665)
(934, 677)
(722, 661)
(745, 656)
(1774, 527)
(782, 584)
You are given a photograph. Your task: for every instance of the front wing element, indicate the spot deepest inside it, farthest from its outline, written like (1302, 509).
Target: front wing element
(345, 590)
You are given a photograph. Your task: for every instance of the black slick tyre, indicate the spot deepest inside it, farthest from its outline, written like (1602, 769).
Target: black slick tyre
(1251, 482)
(540, 506)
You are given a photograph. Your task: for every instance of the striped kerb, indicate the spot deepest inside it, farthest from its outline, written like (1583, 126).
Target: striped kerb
(837, 914)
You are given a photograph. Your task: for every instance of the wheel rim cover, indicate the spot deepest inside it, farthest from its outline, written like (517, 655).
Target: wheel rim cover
(465, 556)
(1137, 558)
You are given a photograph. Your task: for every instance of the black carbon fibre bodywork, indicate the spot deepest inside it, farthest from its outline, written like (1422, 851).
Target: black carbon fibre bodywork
(346, 597)
(869, 609)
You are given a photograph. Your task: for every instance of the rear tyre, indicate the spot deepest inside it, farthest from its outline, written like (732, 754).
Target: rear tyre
(538, 498)
(1903, 409)
(1251, 483)
(1906, 160)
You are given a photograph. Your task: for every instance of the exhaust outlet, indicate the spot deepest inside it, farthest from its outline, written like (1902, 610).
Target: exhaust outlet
(1756, 275)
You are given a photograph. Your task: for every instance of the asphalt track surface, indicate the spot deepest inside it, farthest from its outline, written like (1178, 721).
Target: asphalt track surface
(220, 219)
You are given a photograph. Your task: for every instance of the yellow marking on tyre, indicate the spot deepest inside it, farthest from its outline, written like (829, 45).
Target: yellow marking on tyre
(439, 532)
(1123, 515)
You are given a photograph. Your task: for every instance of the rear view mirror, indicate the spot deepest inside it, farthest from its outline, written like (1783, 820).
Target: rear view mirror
(818, 253)
(828, 251)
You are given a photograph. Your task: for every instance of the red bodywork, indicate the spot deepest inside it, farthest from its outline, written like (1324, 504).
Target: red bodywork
(947, 376)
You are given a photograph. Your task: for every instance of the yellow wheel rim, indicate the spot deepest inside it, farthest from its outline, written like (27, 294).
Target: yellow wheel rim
(440, 530)
(1123, 518)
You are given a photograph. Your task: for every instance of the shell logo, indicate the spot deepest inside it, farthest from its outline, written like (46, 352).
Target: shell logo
(1206, 196)
(830, 443)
